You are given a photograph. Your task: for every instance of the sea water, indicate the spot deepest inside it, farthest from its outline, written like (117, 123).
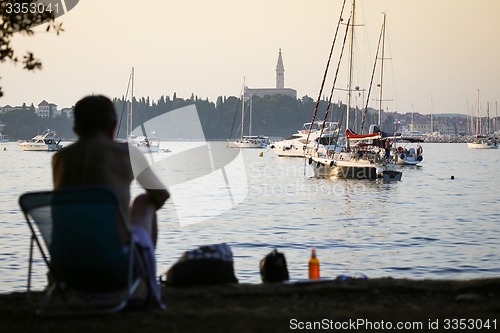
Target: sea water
(426, 226)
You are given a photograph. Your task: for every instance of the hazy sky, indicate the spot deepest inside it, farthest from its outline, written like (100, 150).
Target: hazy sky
(441, 51)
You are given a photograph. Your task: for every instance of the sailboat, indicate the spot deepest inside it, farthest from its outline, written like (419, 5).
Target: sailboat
(481, 141)
(363, 156)
(142, 142)
(248, 141)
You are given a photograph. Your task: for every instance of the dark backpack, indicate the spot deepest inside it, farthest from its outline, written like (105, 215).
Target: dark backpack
(273, 267)
(209, 264)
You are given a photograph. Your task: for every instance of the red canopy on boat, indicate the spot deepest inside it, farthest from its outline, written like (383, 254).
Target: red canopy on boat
(350, 135)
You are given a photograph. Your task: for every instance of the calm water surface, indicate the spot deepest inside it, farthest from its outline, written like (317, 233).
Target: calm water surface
(426, 226)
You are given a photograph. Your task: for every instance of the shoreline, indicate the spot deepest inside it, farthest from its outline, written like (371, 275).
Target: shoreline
(284, 307)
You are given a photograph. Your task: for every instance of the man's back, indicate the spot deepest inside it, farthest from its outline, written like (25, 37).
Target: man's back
(95, 161)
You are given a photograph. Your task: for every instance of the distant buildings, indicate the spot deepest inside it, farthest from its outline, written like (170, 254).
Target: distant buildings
(446, 129)
(68, 112)
(8, 108)
(280, 84)
(46, 110)
(446, 124)
(43, 110)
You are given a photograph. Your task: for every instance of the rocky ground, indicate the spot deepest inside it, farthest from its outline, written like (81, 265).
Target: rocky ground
(345, 306)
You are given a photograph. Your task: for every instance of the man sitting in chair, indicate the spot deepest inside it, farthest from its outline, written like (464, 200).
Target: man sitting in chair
(97, 159)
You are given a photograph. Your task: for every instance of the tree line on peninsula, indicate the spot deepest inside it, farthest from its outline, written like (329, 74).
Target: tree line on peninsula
(272, 115)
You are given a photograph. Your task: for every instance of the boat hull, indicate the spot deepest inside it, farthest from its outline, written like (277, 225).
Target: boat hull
(46, 141)
(408, 160)
(151, 149)
(474, 145)
(353, 168)
(27, 146)
(328, 168)
(289, 148)
(144, 144)
(247, 144)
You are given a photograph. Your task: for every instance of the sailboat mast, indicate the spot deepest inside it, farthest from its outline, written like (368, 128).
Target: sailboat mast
(488, 117)
(129, 122)
(468, 116)
(351, 51)
(243, 109)
(496, 116)
(432, 125)
(432, 111)
(477, 115)
(411, 124)
(381, 73)
(250, 117)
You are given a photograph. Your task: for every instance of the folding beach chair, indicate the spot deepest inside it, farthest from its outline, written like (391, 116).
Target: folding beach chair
(77, 235)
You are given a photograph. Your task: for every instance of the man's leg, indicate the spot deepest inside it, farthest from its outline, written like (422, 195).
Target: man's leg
(144, 230)
(143, 214)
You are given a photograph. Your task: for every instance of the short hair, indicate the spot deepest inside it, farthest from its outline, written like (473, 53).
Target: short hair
(94, 114)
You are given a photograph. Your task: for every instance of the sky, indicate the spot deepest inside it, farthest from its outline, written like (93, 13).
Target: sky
(441, 52)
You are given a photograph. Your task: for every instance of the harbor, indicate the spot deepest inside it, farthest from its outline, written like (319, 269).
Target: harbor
(380, 213)
(426, 226)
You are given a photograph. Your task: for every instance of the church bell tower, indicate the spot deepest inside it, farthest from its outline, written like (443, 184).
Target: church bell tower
(280, 73)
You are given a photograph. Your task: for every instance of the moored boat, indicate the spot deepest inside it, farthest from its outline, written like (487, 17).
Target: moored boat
(248, 141)
(364, 156)
(298, 144)
(144, 144)
(486, 143)
(361, 160)
(47, 141)
(407, 151)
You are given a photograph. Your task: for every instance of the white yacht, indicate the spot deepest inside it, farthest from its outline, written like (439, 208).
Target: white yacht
(299, 143)
(47, 141)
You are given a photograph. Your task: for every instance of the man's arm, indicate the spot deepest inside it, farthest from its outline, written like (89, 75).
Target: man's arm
(158, 197)
(157, 192)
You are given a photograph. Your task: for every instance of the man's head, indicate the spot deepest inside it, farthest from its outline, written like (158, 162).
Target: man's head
(94, 115)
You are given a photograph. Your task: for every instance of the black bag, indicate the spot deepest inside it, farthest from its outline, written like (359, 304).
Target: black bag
(209, 264)
(273, 267)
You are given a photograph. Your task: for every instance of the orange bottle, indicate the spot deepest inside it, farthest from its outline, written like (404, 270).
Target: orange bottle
(313, 266)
